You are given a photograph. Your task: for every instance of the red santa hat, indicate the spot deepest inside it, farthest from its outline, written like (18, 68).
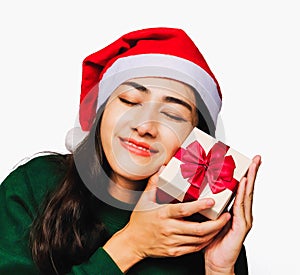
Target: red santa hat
(153, 52)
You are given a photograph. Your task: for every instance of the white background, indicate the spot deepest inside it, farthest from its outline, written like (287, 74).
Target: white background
(253, 49)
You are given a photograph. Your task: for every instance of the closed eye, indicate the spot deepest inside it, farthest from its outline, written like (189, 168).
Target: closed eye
(174, 117)
(127, 102)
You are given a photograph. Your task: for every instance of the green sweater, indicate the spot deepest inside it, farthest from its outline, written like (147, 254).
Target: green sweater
(21, 194)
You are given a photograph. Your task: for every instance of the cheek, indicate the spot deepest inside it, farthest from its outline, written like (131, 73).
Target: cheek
(111, 119)
(114, 121)
(107, 128)
(173, 137)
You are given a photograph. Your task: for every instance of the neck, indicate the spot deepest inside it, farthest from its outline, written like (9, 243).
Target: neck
(125, 190)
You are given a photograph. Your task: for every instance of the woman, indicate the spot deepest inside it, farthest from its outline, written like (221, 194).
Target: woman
(94, 211)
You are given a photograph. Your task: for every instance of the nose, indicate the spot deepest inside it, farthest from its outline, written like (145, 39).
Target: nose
(145, 123)
(147, 128)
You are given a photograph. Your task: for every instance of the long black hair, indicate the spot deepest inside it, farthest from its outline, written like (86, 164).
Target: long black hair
(67, 231)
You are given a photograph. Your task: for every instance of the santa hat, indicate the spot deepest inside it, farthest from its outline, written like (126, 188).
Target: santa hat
(156, 52)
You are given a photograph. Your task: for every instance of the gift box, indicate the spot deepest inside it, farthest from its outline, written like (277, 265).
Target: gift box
(203, 167)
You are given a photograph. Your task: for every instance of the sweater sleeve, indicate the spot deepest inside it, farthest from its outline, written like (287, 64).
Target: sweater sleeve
(100, 263)
(21, 194)
(16, 216)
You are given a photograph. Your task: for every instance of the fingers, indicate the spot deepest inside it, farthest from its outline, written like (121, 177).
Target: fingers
(251, 177)
(242, 208)
(182, 240)
(186, 209)
(176, 251)
(238, 206)
(181, 235)
(200, 229)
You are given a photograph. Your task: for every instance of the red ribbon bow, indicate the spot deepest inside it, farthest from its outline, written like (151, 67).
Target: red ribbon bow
(214, 169)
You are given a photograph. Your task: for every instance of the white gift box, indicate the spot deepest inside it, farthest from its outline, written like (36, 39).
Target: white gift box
(203, 167)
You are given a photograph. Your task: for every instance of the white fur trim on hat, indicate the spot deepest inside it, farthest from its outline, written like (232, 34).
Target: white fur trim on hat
(74, 137)
(161, 65)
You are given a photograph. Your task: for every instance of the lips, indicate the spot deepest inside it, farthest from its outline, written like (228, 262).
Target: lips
(138, 148)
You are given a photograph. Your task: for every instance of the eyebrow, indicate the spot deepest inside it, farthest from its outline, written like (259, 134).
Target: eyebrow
(169, 99)
(136, 86)
(178, 101)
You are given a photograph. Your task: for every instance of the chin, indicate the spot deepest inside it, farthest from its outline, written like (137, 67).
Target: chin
(139, 175)
(136, 173)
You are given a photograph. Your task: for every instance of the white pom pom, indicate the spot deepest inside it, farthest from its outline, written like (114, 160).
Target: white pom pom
(74, 137)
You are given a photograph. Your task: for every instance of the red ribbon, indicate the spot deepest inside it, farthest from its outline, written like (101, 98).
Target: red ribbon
(214, 169)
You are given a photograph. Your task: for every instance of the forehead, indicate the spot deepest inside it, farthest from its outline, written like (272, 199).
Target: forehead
(169, 87)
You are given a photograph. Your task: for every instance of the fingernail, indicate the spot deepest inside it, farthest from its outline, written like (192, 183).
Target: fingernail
(210, 202)
(228, 216)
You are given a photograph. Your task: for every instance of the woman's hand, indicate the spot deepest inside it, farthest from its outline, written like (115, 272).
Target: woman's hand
(222, 253)
(160, 231)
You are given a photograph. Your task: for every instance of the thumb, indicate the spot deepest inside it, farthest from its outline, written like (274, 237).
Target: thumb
(152, 182)
(148, 198)
(151, 186)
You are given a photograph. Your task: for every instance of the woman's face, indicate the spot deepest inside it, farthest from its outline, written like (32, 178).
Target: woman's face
(144, 123)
